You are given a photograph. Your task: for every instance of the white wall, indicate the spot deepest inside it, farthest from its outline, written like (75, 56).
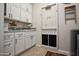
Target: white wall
(37, 19)
(1, 27)
(65, 29)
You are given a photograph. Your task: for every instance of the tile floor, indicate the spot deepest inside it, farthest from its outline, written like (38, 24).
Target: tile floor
(35, 51)
(38, 51)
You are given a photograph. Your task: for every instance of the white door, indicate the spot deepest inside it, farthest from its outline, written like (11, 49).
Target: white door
(19, 42)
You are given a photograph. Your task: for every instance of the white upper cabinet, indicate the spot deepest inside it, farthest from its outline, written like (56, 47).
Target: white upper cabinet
(29, 13)
(18, 11)
(23, 13)
(15, 11)
(49, 17)
(26, 12)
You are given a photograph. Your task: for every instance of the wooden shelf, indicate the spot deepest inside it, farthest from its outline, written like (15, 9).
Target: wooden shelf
(70, 10)
(70, 19)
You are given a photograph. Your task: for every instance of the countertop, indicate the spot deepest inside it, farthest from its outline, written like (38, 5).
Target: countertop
(21, 30)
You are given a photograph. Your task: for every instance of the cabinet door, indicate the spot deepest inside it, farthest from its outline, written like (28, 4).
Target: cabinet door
(23, 15)
(49, 17)
(9, 43)
(33, 38)
(29, 41)
(29, 12)
(15, 12)
(24, 5)
(19, 42)
(25, 42)
(24, 12)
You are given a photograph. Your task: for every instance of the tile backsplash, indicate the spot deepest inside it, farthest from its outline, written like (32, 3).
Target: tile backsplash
(8, 24)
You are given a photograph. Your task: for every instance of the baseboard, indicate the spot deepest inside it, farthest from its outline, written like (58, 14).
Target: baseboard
(25, 50)
(39, 45)
(49, 47)
(55, 49)
(4, 54)
(65, 52)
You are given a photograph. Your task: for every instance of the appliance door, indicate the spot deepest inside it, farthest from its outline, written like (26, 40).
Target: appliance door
(78, 45)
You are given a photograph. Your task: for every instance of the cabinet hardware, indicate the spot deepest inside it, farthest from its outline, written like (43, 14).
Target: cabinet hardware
(7, 45)
(15, 41)
(9, 15)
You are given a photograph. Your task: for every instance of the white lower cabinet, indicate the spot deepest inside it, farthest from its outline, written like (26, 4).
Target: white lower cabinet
(9, 44)
(16, 42)
(33, 37)
(27, 40)
(19, 42)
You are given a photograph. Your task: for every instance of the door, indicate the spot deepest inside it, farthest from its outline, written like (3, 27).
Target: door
(19, 42)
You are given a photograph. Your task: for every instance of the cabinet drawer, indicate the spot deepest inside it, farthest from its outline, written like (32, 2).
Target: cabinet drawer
(8, 36)
(7, 47)
(19, 36)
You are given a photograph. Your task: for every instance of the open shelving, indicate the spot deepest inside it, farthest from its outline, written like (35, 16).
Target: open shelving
(70, 13)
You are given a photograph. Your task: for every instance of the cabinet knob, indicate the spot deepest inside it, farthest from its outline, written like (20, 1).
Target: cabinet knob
(15, 41)
(9, 54)
(31, 37)
(7, 45)
(9, 15)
